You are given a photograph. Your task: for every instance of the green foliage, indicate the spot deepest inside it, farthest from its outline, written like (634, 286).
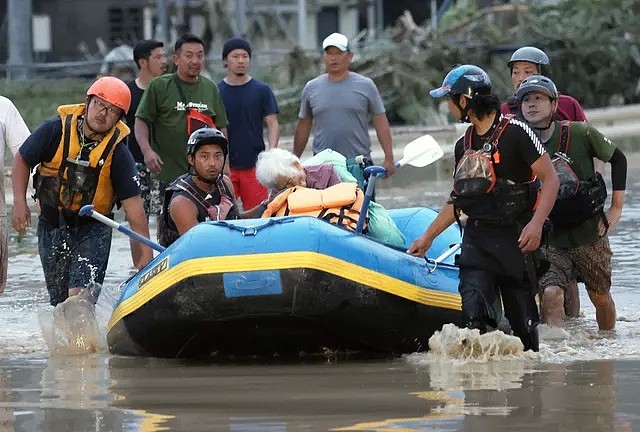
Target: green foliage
(38, 100)
(593, 46)
(456, 14)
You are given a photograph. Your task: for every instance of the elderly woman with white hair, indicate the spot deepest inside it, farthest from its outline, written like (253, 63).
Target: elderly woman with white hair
(278, 169)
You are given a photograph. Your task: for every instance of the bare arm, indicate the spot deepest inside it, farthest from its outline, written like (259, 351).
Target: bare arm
(444, 219)
(19, 182)
(273, 130)
(532, 233)
(183, 213)
(383, 131)
(151, 158)
(614, 212)
(301, 136)
(137, 219)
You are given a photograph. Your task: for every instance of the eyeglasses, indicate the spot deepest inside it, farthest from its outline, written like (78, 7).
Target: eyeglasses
(101, 106)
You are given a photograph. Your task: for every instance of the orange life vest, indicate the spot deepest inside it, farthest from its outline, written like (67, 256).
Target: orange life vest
(339, 204)
(54, 185)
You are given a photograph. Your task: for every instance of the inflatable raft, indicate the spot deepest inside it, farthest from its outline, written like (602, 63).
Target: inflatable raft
(288, 286)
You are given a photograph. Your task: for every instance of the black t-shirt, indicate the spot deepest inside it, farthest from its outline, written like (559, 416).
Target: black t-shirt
(518, 145)
(42, 144)
(132, 143)
(496, 247)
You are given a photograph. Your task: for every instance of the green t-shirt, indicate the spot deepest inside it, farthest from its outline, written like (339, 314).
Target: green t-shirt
(162, 109)
(585, 143)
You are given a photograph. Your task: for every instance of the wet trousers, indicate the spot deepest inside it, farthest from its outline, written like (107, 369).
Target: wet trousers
(481, 291)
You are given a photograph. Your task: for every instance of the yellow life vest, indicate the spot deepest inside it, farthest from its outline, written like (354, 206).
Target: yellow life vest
(60, 182)
(339, 204)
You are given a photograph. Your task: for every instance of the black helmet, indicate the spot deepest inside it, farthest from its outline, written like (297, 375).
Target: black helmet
(468, 80)
(532, 55)
(206, 136)
(537, 83)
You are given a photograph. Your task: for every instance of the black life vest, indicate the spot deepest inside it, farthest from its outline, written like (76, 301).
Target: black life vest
(479, 193)
(577, 200)
(205, 204)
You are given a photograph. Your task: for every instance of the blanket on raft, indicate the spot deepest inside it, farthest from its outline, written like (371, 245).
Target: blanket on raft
(381, 225)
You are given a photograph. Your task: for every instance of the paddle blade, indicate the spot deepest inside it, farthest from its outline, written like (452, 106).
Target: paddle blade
(421, 152)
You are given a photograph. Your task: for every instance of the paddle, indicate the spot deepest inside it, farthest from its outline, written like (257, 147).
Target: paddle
(88, 211)
(419, 153)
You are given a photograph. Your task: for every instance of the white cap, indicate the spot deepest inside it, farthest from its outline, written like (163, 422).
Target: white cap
(337, 40)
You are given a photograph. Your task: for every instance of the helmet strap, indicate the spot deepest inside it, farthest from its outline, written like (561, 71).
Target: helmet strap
(549, 123)
(464, 112)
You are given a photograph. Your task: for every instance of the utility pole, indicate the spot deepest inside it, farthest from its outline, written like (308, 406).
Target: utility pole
(241, 17)
(302, 22)
(20, 56)
(163, 20)
(379, 18)
(371, 19)
(181, 26)
(434, 16)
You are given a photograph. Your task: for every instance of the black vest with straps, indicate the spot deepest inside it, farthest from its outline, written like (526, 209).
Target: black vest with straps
(505, 202)
(578, 200)
(204, 201)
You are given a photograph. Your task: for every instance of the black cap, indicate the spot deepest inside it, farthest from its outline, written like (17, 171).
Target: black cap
(233, 44)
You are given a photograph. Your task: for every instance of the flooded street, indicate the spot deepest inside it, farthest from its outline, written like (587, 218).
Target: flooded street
(582, 380)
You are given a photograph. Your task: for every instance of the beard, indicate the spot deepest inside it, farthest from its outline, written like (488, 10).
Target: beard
(207, 177)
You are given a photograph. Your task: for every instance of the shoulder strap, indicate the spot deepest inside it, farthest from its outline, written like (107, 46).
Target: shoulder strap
(185, 186)
(223, 187)
(65, 145)
(176, 80)
(468, 138)
(109, 146)
(500, 128)
(565, 136)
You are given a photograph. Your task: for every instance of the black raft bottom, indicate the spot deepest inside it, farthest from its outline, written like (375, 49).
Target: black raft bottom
(316, 313)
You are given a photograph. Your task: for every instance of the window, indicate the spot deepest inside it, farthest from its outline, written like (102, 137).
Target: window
(125, 25)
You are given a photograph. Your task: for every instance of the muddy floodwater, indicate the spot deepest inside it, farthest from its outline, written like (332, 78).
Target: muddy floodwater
(582, 379)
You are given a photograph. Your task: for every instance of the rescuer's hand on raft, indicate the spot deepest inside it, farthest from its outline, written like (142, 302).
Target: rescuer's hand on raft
(420, 246)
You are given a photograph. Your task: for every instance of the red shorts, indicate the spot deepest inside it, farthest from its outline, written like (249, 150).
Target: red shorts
(247, 187)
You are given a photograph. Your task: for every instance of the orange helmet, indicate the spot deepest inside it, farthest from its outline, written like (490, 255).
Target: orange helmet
(112, 90)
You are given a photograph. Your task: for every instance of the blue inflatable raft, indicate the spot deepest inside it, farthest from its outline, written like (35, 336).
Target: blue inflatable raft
(287, 285)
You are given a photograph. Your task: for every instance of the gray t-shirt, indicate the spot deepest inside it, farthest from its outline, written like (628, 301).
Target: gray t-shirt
(341, 110)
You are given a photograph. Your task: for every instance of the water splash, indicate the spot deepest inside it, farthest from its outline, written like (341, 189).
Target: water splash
(464, 359)
(461, 343)
(70, 328)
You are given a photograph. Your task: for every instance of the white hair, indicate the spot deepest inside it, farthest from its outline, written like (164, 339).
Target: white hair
(275, 163)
